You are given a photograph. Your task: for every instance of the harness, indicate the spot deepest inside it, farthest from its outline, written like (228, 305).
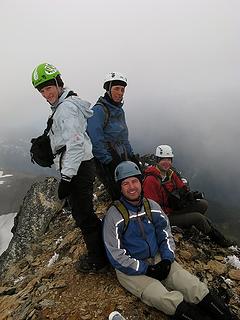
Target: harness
(125, 213)
(111, 146)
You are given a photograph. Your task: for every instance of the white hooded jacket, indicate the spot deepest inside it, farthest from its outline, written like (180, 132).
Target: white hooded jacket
(69, 129)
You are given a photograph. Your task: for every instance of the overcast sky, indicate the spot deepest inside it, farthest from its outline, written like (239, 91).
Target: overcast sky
(181, 58)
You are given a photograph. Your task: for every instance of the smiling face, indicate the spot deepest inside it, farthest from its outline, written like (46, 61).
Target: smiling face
(50, 93)
(117, 93)
(131, 189)
(165, 164)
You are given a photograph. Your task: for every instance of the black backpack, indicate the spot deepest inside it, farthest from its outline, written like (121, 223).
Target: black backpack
(41, 151)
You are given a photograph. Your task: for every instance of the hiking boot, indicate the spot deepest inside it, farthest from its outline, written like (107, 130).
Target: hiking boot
(216, 307)
(219, 238)
(88, 264)
(187, 311)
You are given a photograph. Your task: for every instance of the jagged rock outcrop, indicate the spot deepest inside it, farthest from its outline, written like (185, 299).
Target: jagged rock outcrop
(39, 207)
(43, 284)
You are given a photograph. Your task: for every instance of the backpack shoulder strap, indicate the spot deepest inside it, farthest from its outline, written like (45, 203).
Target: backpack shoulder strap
(101, 103)
(49, 123)
(147, 208)
(177, 172)
(50, 119)
(123, 211)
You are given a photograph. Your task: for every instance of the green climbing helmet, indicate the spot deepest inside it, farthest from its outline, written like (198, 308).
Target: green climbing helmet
(43, 73)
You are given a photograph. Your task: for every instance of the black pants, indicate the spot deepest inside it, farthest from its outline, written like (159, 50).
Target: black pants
(82, 209)
(106, 176)
(106, 173)
(192, 215)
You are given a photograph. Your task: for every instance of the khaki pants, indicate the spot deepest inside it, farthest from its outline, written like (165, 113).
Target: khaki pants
(168, 294)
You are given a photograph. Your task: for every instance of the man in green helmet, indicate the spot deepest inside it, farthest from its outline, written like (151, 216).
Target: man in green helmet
(75, 163)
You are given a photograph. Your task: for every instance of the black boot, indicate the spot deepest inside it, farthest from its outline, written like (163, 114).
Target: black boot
(95, 261)
(187, 311)
(89, 264)
(219, 238)
(215, 307)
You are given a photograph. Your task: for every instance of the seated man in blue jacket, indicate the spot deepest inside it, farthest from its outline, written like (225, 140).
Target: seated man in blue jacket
(108, 131)
(140, 247)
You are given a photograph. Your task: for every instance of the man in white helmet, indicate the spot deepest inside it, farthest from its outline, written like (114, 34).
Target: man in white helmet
(108, 131)
(140, 247)
(184, 208)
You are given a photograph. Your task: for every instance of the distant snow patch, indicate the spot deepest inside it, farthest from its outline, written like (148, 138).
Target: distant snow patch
(5, 175)
(53, 259)
(59, 240)
(234, 248)
(233, 261)
(18, 280)
(6, 224)
(229, 282)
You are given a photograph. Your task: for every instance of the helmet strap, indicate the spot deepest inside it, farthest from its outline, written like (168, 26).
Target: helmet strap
(109, 89)
(59, 89)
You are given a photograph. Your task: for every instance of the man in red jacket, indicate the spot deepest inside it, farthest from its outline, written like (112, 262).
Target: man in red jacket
(183, 207)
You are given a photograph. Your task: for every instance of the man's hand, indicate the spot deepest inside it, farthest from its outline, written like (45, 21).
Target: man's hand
(198, 195)
(190, 197)
(110, 167)
(160, 270)
(64, 188)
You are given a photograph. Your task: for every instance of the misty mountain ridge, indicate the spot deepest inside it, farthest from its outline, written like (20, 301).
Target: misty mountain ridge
(13, 188)
(205, 175)
(218, 188)
(15, 154)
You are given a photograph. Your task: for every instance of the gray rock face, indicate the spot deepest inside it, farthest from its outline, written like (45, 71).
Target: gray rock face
(39, 207)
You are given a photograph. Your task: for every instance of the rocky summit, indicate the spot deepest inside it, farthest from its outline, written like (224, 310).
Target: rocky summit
(39, 281)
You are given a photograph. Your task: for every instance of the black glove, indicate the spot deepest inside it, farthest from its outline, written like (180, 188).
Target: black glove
(198, 195)
(190, 197)
(110, 168)
(64, 189)
(134, 159)
(160, 270)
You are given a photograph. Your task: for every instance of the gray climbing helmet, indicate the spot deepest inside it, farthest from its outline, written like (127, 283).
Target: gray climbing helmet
(125, 170)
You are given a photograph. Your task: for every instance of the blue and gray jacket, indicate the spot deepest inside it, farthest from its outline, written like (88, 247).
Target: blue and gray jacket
(132, 250)
(114, 135)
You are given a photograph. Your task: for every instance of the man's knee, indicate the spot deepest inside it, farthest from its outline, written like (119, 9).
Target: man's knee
(203, 205)
(192, 289)
(200, 222)
(157, 296)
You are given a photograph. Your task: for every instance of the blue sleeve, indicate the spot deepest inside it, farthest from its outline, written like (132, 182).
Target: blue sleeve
(165, 239)
(126, 140)
(96, 134)
(117, 255)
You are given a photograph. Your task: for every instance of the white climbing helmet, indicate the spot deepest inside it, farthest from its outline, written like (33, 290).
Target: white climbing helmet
(164, 151)
(114, 76)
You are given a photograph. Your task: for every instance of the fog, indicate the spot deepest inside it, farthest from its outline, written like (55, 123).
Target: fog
(181, 58)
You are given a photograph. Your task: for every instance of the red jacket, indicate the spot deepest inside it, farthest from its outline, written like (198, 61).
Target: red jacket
(154, 190)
